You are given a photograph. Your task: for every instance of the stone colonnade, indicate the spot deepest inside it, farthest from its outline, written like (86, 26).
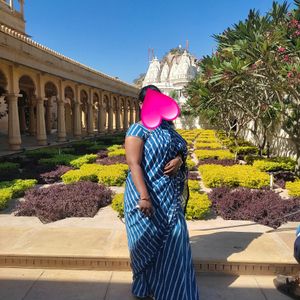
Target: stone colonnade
(41, 105)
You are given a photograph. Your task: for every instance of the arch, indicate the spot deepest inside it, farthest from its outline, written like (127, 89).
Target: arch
(50, 89)
(3, 104)
(96, 107)
(84, 108)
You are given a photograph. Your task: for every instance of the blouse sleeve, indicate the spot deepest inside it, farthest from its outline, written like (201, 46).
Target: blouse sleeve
(136, 130)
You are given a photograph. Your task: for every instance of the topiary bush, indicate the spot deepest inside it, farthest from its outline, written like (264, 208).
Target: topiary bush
(262, 206)
(198, 206)
(233, 176)
(81, 199)
(118, 204)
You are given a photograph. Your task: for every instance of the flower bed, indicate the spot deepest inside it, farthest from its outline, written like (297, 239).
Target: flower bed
(293, 188)
(55, 175)
(198, 206)
(81, 199)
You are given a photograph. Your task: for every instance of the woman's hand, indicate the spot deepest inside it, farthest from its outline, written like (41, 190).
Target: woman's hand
(145, 205)
(173, 166)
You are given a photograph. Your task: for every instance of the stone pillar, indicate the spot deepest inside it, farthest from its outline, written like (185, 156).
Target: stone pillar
(61, 121)
(14, 135)
(90, 125)
(118, 117)
(77, 120)
(131, 115)
(48, 116)
(32, 120)
(100, 118)
(110, 117)
(40, 123)
(22, 119)
(125, 124)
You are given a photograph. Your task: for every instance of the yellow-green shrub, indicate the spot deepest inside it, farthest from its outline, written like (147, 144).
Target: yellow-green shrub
(232, 176)
(190, 163)
(208, 145)
(107, 174)
(114, 147)
(269, 165)
(198, 206)
(85, 159)
(118, 204)
(219, 154)
(116, 152)
(13, 189)
(293, 188)
(194, 185)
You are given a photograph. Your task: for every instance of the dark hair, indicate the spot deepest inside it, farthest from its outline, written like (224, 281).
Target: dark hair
(142, 95)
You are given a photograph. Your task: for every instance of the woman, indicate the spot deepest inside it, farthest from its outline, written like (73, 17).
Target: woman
(157, 233)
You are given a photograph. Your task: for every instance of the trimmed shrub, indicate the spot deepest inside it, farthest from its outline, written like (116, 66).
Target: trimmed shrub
(198, 206)
(194, 185)
(114, 147)
(55, 175)
(106, 174)
(47, 152)
(96, 148)
(118, 204)
(233, 176)
(116, 152)
(262, 206)
(293, 188)
(245, 150)
(217, 154)
(209, 145)
(190, 164)
(81, 199)
(13, 189)
(60, 159)
(85, 159)
(273, 165)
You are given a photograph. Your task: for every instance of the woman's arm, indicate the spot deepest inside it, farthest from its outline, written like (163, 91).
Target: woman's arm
(134, 152)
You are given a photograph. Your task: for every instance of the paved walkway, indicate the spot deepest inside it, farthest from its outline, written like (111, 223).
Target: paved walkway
(38, 284)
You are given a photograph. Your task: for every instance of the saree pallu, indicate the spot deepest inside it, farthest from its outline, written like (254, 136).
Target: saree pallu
(160, 252)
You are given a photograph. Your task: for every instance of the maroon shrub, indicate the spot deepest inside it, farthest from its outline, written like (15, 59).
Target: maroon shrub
(222, 162)
(102, 153)
(282, 177)
(193, 176)
(80, 199)
(111, 160)
(55, 175)
(262, 206)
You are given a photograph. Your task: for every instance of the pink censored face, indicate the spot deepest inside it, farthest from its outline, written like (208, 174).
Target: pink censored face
(157, 106)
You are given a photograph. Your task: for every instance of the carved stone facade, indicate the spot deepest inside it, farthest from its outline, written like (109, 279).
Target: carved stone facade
(43, 94)
(170, 75)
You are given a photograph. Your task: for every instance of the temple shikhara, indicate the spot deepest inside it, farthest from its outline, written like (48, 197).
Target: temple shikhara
(47, 97)
(170, 75)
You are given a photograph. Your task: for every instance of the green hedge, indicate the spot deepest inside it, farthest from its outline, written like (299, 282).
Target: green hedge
(8, 166)
(275, 164)
(60, 159)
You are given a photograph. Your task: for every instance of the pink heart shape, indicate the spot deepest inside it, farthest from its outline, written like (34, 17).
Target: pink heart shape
(157, 106)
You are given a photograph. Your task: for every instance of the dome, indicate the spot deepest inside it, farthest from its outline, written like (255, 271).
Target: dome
(153, 72)
(165, 72)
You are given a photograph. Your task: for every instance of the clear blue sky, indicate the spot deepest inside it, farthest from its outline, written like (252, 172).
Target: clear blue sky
(114, 36)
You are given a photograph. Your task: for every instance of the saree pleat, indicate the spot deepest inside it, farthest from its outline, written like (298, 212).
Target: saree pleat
(160, 252)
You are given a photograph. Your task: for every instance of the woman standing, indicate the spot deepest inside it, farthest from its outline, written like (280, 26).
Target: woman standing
(157, 233)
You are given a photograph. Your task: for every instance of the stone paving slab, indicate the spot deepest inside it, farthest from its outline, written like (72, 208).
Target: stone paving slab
(37, 284)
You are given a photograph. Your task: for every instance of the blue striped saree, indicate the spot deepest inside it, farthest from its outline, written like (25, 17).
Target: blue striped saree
(160, 252)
